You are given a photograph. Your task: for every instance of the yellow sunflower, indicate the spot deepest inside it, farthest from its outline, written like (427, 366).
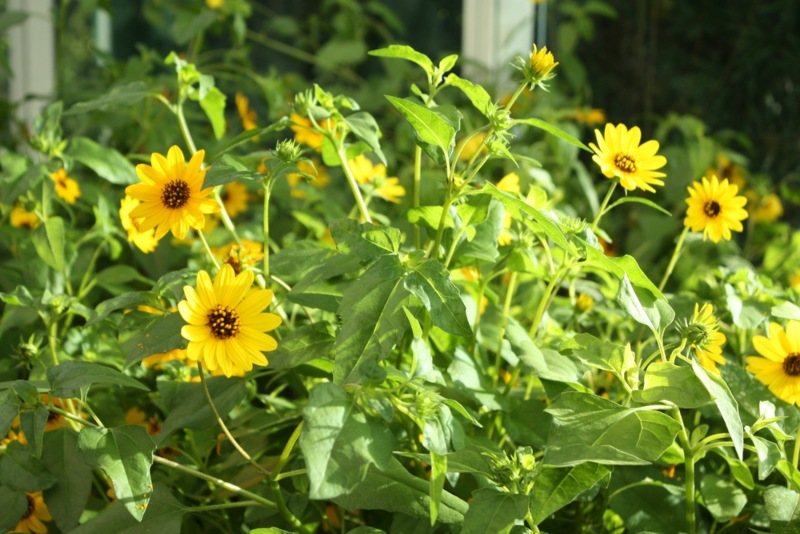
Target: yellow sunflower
(619, 155)
(321, 177)
(510, 184)
(468, 146)
(769, 209)
(246, 113)
(54, 420)
(32, 519)
(779, 369)
(541, 62)
(66, 188)
(305, 133)
(144, 241)
(171, 194)
(225, 321)
(21, 218)
(706, 339)
(235, 197)
(365, 172)
(715, 209)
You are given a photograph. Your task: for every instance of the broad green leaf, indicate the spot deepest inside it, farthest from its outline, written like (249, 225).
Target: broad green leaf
(116, 278)
(447, 63)
(373, 320)
(619, 267)
(187, 406)
(213, 103)
(517, 206)
(786, 310)
(339, 443)
(677, 384)
(588, 428)
(68, 378)
(546, 363)
(29, 179)
(125, 454)
(48, 240)
(144, 334)
(364, 127)
(655, 313)
(724, 499)
(768, 453)
(549, 128)
(32, 423)
(306, 343)
(67, 498)
(472, 381)
(438, 464)
(429, 216)
(229, 169)
(494, 512)
(430, 282)
(364, 240)
(527, 423)
(484, 223)
(600, 354)
(15, 504)
(342, 52)
(394, 489)
(653, 508)
(430, 127)
(124, 301)
(105, 161)
(323, 287)
(164, 516)
(405, 52)
(747, 312)
(726, 404)
(739, 469)
(783, 509)
(556, 487)
(639, 200)
(476, 93)
(124, 95)
(9, 408)
(21, 470)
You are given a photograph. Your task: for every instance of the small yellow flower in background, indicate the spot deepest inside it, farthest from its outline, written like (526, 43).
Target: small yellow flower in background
(779, 369)
(794, 281)
(157, 361)
(322, 178)
(135, 416)
(510, 184)
(541, 63)
(12, 436)
(250, 253)
(35, 515)
(21, 218)
(584, 302)
(54, 420)
(144, 241)
(619, 155)
(234, 198)
(171, 194)
(214, 4)
(226, 327)
(470, 145)
(590, 118)
(246, 113)
(304, 134)
(705, 338)
(715, 209)
(66, 188)
(365, 172)
(770, 209)
(725, 168)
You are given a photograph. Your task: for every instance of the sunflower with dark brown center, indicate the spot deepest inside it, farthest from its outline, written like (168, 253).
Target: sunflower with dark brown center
(35, 514)
(715, 209)
(779, 368)
(619, 155)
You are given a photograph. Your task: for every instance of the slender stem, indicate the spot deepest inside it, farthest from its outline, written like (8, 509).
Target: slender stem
(548, 290)
(222, 506)
(208, 249)
(512, 288)
(351, 180)
(187, 135)
(602, 208)
(417, 185)
(674, 259)
(217, 481)
(265, 227)
(688, 454)
(448, 201)
(287, 450)
(515, 96)
(796, 450)
(226, 218)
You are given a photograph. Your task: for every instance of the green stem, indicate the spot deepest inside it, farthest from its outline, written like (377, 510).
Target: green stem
(187, 135)
(548, 290)
(417, 184)
(602, 208)
(515, 96)
(222, 506)
(448, 201)
(351, 180)
(208, 249)
(688, 453)
(674, 259)
(796, 450)
(512, 288)
(265, 228)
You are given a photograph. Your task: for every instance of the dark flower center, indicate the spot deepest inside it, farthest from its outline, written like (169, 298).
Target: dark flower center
(53, 416)
(625, 163)
(31, 507)
(175, 194)
(712, 209)
(223, 321)
(791, 365)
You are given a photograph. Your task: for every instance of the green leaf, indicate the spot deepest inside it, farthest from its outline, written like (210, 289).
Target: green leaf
(494, 512)
(228, 169)
(364, 240)
(68, 497)
(679, 385)
(164, 516)
(373, 320)
(21, 470)
(556, 487)
(430, 282)
(655, 313)
(144, 334)
(124, 301)
(32, 423)
(364, 127)
(476, 93)
(270, 530)
(547, 364)
(342, 51)
(429, 216)
(405, 52)
(429, 126)
(48, 240)
(768, 455)
(15, 504)
(68, 378)
(187, 406)
(601, 354)
(124, 95)
(786, 310)
(396, 490)
(588, 428)
(323, 287)
(105, 161)
(726, 404)
(653, 508)
(213, 103)
(339, 443)
(438, 464)
(125, 454)
(517, 206)
(306, 343)
(639, 200)
(549, 128)
(783, 509)
(724, 499)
